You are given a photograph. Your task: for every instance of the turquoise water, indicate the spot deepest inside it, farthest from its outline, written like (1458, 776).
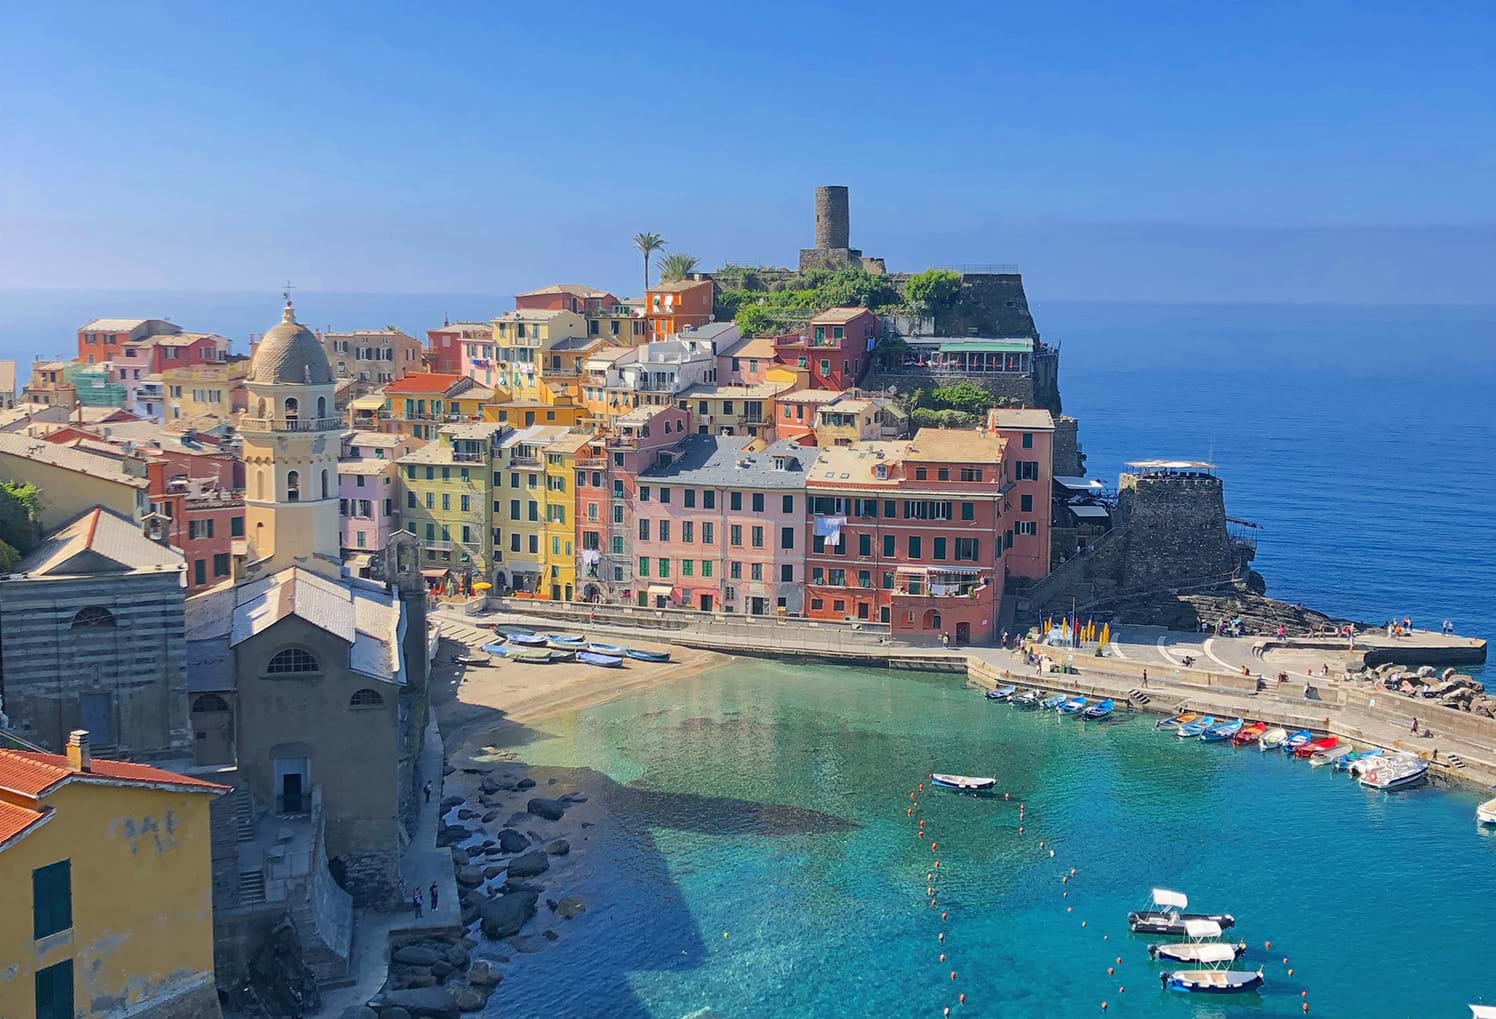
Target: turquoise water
(768, 801)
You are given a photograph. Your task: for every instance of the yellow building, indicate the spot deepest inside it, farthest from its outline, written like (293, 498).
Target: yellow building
(106, 876)
(560, 564)
(732, 410)
(523, 497)
(530, 342)
(205, 389)
(421, 403)
(449, 498)
(74, 480)
(559, 409)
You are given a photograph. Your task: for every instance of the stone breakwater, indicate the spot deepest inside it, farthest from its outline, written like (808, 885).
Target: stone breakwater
(510, 852)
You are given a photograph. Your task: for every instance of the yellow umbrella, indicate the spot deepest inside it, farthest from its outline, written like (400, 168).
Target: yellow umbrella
(482, 585)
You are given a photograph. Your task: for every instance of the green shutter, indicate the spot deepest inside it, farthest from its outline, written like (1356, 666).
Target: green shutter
(51, 899)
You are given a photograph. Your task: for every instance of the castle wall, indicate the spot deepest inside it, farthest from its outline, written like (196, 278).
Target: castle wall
(1176, 529)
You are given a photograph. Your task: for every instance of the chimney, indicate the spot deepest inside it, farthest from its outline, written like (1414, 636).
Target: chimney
(78, 755)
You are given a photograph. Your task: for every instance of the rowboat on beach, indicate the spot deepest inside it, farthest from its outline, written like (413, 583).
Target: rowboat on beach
(528, 639)
(1249, 734)
(1096, 711)
(1189, 730)
(498, 650)
(963, 783)
(1221, 731)
(565, 642)
(472, 660)
(607, 649)
(1002, 693)
(600, 660)
(1272, 739)
(1165, 915)
(532, 656)
(1316, 745)
(1071, 706)
(511, 629)
(648, 656)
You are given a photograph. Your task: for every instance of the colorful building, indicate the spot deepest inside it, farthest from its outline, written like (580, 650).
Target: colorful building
(421, 403)
(676, 306)
(560, 514)
(745, 362)
(449, 495)
(372, 357)
(1029, 436)
(216, 390)
(104, 339)
(75, 480)
(528, 505)
(557, 409)
(51, 385)
(521, 339)
(720, 526)
(908, 533)
(107, 875)
(858, 418)
(174, 350)
(796, 411)
(837, 349)
(444, 346)
(732, 410)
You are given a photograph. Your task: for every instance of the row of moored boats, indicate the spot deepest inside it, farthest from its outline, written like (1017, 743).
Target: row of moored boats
(1061, 703)
(1372, 767)
(522, 644)
(1200, 946)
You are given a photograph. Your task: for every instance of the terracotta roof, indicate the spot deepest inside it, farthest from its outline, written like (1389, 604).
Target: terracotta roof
(34, 774)
(753, 346)
(105, 533)
(69, 459)
(17, 821)
(955, 445)
(840, 314)
(424, 382)
(565, 288)
(1033, 419)
(678, 286)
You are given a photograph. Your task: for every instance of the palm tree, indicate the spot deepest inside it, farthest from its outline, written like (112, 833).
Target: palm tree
(677, 266)
(648, 244)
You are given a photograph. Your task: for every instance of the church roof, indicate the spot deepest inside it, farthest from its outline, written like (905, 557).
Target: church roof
(99, 541)
(290, 352)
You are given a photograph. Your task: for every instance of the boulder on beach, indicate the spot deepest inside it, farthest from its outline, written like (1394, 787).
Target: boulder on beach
(469, 1000)
(551, 810)
(484, 973)
(503, 916)
(423, 1002)
(525, 783)
(517, 818)
(559, 848)
(529, 865)
(469, 876)
(493, 870)
(511, 841)
(415, 955)
(490, 816)
(448, 802)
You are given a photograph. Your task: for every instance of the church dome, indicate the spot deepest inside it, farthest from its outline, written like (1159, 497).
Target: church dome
(291, 353)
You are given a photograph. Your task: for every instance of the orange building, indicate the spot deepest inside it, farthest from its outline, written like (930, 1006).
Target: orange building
(673, 307)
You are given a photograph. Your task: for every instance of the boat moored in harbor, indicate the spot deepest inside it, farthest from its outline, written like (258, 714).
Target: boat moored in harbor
(1002, 693)
(1072, 705)
(1221, 731)
(1175, 721)
(1201, 938)
(1349, 761)
(1298, 739)
(1315, 746)
(1101, 710)
(1329, 755)
(1249, 734)
(1396, 772)
(1166, 915)
(1272, 739)
(1190, 730)
(1485, 814)
(1028, 699)
(1215, 980)
(963, 783)
(1053, 701)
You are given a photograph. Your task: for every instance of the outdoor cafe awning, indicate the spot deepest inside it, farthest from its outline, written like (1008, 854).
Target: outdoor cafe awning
(434, 572)
(660, 590)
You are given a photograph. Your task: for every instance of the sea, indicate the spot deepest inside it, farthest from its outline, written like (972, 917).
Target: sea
(757, 851)
(1359, 438)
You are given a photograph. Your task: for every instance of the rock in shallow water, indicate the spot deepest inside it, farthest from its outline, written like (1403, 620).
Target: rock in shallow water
(504, 916)
(511, 841)
(559, 848)
(529, 865)
(551, 810)
(571, 906)
(423, 1002)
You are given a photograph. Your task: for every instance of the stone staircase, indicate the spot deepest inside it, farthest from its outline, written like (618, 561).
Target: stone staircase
(327, 966)
(1138, 697)
(1455, 761)
(244, 813)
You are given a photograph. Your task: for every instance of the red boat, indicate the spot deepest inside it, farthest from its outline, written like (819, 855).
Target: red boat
(1249, 734)
(1315, 746)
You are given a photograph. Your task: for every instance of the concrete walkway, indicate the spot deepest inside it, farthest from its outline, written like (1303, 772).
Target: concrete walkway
(421, 865)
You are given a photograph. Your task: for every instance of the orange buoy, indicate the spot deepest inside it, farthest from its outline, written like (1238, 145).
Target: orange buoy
(1020, 829)
(1285, 960)
(1306, 1006)
(1119, 960)
(1121, 990)
(1072, 871)
(1303, 994)
(961, 998)
(1267, 946)
(937, 863)
(942, 957)
(1110, 971)
(1064, 879)
(953, 974)
(921, 787)
(943, 916)
(1082, 923)
(934, 846)
(1103, 1006)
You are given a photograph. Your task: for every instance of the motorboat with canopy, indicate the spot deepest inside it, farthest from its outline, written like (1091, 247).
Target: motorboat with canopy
(1398, 772)
(1166, 915)
(1217, 979)
(1200, 935)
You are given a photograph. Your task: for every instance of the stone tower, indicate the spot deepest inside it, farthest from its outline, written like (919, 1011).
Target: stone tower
(292, 438)
(833, 222)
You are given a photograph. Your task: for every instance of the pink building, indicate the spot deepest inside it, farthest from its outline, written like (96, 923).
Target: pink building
(745, 362)
(444, 345)
(720, 526)
(837, 350)
(1028, 434)
(368, 494)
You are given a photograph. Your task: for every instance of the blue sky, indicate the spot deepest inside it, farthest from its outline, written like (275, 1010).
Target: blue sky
(1315, 151)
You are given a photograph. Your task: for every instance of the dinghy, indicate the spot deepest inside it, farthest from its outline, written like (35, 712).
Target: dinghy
(600, 660)
(1249, 734)
(565, 642)
(532, 656)
(1002, 693)
(1221, 731)
(528, 639)
(1166, 915)
(1485, 814)
(1053, 701)
(1272, 739)
(1190, 730)
(1199, 934)
(1027, 699)
(511, 629)
(1392, 773)
(498, 650)
(1215, 980)
(1175, 721)
(1101, 710)
(561, 655)
(1314, 746)
(607, 649)
(1298, 739)
(472, 660)
(1328, 756)
(1071, 706)
(648, 656)
(1347, 762)
(964, 783)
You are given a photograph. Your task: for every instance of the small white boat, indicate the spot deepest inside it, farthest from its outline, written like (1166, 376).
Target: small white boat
(1201, 940)
(964, 783)
(1272, 738)
(1485, 814)
(1322, 757)
(1483, 1012)
(1397, 772)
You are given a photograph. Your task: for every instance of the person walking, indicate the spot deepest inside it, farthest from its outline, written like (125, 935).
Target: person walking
(415, 903)
(426, 790)
(433, 896)
(1415, 726)
(1145, 679)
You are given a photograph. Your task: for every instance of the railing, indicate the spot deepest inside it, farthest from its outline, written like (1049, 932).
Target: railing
(989, 268)
(292, 424)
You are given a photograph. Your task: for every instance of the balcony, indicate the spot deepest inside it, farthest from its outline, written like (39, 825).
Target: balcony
(249, 424)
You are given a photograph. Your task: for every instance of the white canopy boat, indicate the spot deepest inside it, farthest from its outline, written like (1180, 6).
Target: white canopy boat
(1486, 814)
(1201, 935)
(1167, 915)
(1483, 1012)
(1215, 980)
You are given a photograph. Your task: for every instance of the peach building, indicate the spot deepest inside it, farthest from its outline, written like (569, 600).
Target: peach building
(1028, 434)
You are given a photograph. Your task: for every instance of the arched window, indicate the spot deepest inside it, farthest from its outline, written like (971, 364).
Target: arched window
(210, 702)
(322, 406)
(92, 617)
(365, 699)
(326, 491)
(291, 660)
(293, 408)
(293, 486)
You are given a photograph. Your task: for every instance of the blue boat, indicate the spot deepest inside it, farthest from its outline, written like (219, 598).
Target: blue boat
(1100, 710)
(1222, 731)
(528, 639)
(510, 629)
(1002, 693)
(1071, 706)
(1295, 741)
(1190, 730)
(496, 649)
(1053, 701)
(565, 642)
(1344, 763)
(617, 650)
(603, 661)
(647, 656)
